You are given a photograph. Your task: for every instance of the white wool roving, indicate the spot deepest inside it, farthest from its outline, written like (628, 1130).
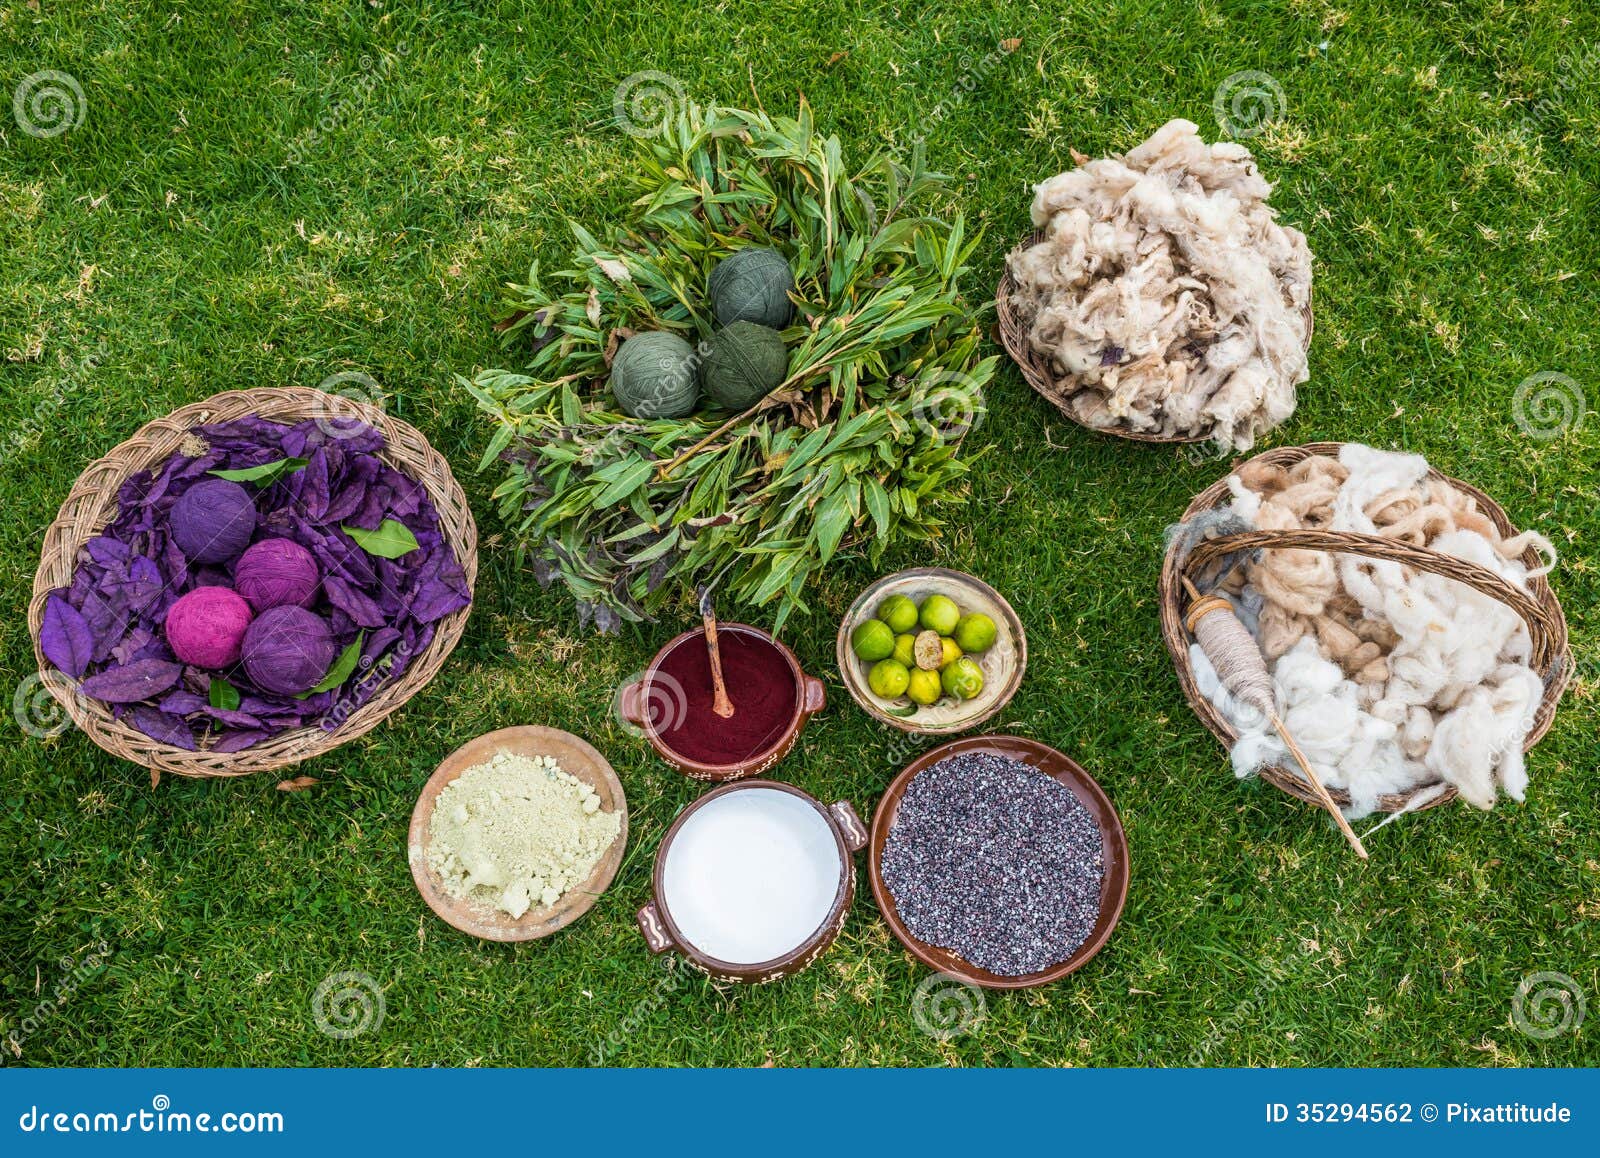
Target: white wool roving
(1167, 292)
(1454, 696)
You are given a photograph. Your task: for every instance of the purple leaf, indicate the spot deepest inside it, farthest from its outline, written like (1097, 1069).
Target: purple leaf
(238, 740)
(64, 636)
(355, 603)
(166, 728)
(143, 679)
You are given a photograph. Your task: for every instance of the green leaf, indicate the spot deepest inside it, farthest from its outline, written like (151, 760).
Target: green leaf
(391, 540)
(341, 669)
(266, 474)
(223, 695)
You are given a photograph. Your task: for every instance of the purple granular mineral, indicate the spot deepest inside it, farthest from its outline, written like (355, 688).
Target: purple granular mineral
(995, 861)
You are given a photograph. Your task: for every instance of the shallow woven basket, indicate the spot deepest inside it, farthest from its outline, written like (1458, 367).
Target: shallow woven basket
(1547, 627)
(93, 503)
(1041, 375)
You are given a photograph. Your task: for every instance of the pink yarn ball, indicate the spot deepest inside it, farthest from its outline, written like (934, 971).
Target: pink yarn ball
(276, 572)
(206, 627)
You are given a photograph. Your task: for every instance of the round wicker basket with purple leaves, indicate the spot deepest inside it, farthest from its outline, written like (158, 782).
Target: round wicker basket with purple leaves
(368, 499)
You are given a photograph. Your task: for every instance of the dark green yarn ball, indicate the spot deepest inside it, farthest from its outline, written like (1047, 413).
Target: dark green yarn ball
(752, 285)
(653, 376)
(745, 363)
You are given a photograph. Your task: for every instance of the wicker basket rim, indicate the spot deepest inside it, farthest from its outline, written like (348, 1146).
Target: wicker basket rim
(92, 502)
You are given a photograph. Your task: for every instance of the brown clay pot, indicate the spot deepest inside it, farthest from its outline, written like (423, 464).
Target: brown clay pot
(1058, 766)
(648, 704)
(661, 934)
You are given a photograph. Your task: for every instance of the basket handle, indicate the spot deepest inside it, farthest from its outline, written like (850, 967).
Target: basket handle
(1540, 630)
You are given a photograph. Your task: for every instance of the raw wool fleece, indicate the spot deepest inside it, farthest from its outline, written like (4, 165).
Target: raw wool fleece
(1167, 291)
(1389, 678)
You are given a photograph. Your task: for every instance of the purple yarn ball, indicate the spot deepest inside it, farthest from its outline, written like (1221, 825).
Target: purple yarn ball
(275, 572)
(213, 520)
(287, 650)
(206, 627)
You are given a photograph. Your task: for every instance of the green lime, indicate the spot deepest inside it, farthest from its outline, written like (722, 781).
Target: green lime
(949, 652)
(905, 649)
(962, 679)
(976, 632)
(872, 641)
(923, 686)
(888, 678)
(899, 613)
(939, 613)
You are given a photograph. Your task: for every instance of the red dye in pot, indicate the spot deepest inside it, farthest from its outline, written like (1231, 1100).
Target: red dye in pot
(760, 683)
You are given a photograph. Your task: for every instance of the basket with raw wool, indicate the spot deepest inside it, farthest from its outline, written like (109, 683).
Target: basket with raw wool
(1414, 644)
(94, 502)
(1158, 298)
(767, 362)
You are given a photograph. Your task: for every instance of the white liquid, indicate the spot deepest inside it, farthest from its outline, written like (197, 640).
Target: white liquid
(751, 875)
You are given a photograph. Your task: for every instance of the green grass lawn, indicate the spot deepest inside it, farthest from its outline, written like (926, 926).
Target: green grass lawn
(1442, 159)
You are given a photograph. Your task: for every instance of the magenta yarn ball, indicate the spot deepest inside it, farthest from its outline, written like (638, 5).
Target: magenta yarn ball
(275, 572)
(287, 650)
(207, 626)
(213, 520)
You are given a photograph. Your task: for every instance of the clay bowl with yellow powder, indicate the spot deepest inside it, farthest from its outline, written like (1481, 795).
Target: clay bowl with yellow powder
(579, 759)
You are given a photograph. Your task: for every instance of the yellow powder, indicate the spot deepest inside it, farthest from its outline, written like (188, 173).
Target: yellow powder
(517, 832)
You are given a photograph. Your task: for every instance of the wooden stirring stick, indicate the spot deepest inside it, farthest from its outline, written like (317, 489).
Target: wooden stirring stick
(1235, 655)
(720, 703)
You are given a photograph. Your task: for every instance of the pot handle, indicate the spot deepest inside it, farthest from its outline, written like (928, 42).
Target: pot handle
(655, 932)
(628, 703)
(855, 833)
(815, 696)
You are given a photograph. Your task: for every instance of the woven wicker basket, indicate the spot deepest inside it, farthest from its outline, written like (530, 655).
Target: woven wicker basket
(1038, 372)
(1537, 606)
(93, 503)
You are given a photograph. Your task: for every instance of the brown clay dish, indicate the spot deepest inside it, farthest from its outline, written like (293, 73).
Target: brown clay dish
(1058, 766)
(648, 703)
(576, 757)
(1002, 665)
(661, 934)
